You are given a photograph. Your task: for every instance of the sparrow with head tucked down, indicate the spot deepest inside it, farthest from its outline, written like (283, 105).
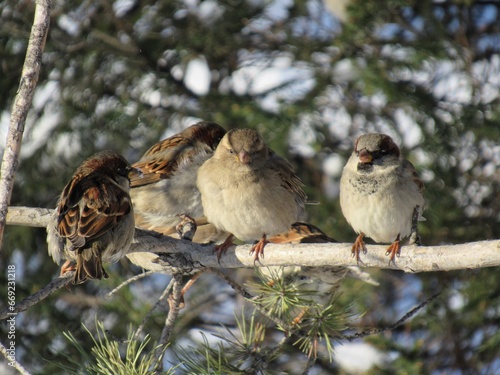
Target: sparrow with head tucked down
(167, 188)
(379, 193)
(94, 220)
(249, 191)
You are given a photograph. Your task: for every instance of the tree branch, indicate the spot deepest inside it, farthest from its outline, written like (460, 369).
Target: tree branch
(15, 364)
(169, 322)
(22, 104)
(166, 291)
(128, 281)
(29, 217)
(38, 296)
(156, 252)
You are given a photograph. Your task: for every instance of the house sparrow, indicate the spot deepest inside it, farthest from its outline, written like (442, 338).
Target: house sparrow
(379, 191)
(249, 191)
(94, 220)
(168, 189)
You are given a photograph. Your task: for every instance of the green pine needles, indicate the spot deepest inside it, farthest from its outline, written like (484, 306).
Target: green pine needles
(110, 357)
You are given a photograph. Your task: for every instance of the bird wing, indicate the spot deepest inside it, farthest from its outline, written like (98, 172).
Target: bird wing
(163, 159)
(289, 179)
(408, 166)
(89, 207)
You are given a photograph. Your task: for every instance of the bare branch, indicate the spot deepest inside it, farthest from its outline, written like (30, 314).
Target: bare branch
(38, 296)
(22, 104)
(128, 281)
(310, 363)
(232, 283)
(169, 322)
(28, 216)
(395, 325)
(15, 364)
(150, 312)
(156, 252)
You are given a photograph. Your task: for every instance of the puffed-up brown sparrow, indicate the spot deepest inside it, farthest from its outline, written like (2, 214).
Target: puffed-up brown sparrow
(249, 191)
(167, 188)
(379, 192)
(94, 220)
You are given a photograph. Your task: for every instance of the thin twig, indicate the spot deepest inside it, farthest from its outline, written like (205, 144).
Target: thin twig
(232, 283)
(12, 360)
(38, 296)
(128, 281)
(309, 365)
(22, 104)
(169, 322)
(150, 312)
(279, 346)
(263, 361)
(393, 326)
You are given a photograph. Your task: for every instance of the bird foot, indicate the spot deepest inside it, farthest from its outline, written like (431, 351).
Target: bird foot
(393, 250)
(258, 249)
(357, 247)
(222, 248)
(68, 266)
(186, 227)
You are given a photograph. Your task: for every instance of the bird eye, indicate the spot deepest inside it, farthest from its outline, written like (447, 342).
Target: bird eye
(231, 151)
(122, 171)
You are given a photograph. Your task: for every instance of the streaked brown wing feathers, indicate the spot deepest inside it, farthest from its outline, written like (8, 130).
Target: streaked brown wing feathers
(411, 169)
(100, 207)
(162, 160)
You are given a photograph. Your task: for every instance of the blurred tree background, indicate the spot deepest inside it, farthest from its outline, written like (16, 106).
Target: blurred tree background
(122, 75)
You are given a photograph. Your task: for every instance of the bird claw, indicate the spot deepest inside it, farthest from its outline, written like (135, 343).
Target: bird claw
(222, 248)
(258, 249)
(393, 250)
(186, 227)
(357, 247)
(68, 266)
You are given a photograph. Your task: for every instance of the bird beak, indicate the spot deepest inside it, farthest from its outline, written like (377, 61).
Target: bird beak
(365, 157)
(135, 172)
(244, 157)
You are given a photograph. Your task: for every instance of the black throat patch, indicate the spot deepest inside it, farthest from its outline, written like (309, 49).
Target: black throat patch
(365, 167)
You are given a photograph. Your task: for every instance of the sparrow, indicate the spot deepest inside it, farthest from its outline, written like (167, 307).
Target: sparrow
(249, 191)
(167, 190)
(379, 193)
(94, 219)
